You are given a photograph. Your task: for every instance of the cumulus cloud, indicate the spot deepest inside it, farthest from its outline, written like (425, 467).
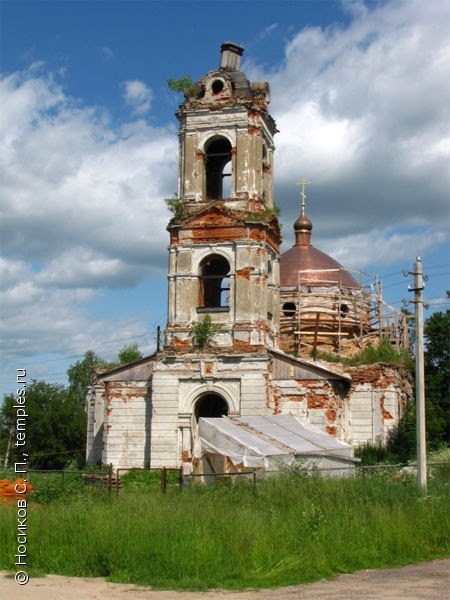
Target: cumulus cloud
(86, 268)
(358, 251)
(138, 96)
(363, 111)
(71, 180)
(82, 211)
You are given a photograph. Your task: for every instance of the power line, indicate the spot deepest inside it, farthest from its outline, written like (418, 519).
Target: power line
(437, 274)
(438, 266)
(83, 348)
(98, 345)
(401, 272)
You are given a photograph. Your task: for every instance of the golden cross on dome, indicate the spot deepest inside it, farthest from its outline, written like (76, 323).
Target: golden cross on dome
(303, 182)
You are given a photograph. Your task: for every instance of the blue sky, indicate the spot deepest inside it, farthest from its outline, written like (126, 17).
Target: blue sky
(89, 147)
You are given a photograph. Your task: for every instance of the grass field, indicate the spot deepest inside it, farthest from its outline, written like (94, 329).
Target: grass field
(289, 529)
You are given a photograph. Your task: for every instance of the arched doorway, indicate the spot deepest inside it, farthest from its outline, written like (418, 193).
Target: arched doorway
(210, 406)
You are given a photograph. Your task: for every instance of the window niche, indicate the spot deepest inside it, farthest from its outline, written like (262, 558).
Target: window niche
(217, 86)
(214, 284)
(217, 168)
(289, 309)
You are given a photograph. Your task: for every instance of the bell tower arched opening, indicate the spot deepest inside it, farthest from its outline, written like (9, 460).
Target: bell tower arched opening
(217, 159)
(214, 289)
(210, 406)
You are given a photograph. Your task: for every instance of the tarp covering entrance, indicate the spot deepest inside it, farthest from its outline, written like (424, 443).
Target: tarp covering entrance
(270, 442)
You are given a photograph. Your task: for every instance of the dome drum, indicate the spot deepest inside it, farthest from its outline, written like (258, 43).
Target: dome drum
(330, 320)
(322, 305)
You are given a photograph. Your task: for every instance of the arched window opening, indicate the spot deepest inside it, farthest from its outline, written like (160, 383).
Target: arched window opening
(218, 155)
(344, 310)
(210, 406)
(214, 283)
(289, 309)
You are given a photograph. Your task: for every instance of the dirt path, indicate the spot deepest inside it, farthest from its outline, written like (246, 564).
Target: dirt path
(430, 581)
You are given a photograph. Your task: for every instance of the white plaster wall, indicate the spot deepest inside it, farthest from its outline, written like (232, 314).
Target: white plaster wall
(125, 433)
(164, 451)
(180, 382)
(365, 416)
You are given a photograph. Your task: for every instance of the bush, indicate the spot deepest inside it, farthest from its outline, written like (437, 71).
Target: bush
(371, 454)
(144, 479)
(203, 332)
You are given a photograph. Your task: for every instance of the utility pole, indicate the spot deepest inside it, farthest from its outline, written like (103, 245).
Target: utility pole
(420, 375)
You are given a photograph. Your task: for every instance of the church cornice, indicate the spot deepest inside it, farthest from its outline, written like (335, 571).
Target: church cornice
(193, 216)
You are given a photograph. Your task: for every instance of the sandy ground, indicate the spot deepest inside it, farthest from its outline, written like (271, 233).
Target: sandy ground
(415, 582)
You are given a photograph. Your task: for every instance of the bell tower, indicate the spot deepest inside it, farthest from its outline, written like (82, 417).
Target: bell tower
(226, 138)
(224, 236)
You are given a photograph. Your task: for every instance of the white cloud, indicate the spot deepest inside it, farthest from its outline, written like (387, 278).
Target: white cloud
(381, 246)
(138, 96)
(71, 180)
(82, 211)
(363, 112)
(106, 53)
(267, 31)
(83, 267)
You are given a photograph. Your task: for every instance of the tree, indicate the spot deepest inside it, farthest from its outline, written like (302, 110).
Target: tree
(403, 444)
(129, 353)
(80, 376)
(183, 84)
(55, 427)
(437, 392)
(437, 378)
(203, 332)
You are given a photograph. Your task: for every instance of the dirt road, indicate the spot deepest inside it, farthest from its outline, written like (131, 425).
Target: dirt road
(427, 581)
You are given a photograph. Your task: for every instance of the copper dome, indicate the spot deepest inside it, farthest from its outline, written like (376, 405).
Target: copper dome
(305, 265)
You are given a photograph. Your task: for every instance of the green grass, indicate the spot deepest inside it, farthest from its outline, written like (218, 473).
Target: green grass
(288, 530)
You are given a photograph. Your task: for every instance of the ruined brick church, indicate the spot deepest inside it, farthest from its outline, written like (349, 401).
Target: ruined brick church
(245, 322)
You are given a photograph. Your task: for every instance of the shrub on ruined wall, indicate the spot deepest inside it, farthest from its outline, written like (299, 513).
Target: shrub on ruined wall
(384, 352)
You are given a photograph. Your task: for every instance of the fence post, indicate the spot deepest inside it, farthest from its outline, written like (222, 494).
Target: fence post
(163, 480)
(180, 480)
(117, 481)
(110, 478)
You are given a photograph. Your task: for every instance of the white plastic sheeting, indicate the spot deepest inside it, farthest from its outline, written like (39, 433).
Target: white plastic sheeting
(270, 442)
